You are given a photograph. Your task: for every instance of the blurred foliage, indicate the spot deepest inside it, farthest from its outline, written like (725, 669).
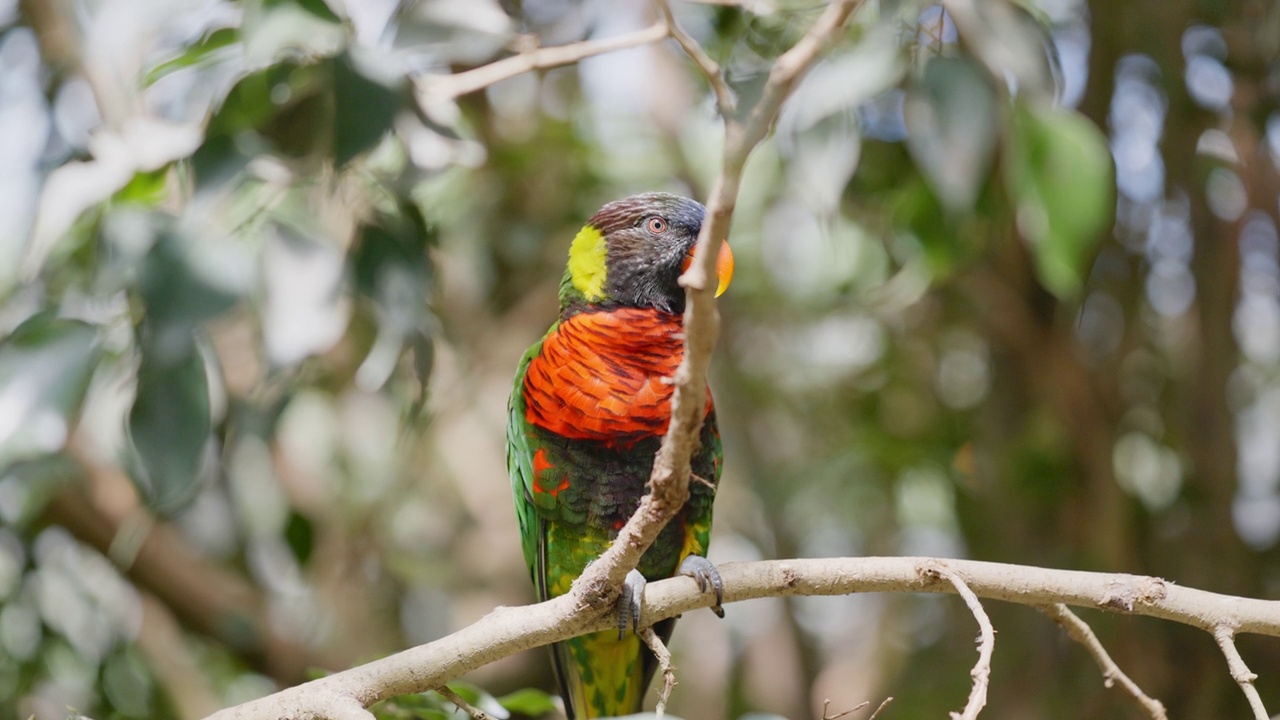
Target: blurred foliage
(1007, 288)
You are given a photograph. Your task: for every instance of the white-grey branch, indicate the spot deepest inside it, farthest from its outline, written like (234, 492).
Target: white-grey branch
(507, 631)
(1080, 631)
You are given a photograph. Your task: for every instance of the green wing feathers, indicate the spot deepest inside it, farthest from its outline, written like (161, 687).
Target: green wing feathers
(571, 497)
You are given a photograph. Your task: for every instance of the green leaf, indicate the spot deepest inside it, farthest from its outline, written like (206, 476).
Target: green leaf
(951, 121)
(393, 269)
(528, 701)
(300, 534)
(45, 366)
(204, 52)
(169, 428)
(29, 485)
(257, 97)
(1060, 176)
(315, 7)
(146, 188)
(364, 108)
(288, 104)
(182, 285)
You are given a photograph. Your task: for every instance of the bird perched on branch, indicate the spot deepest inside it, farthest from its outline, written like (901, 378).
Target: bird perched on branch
(590, 406)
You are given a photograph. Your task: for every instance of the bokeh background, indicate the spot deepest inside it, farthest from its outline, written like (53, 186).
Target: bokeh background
(1008, 288)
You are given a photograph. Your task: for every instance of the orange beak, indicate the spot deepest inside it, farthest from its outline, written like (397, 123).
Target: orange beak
(724, 267)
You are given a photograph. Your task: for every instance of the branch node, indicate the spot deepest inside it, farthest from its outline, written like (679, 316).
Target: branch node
(1123, 594)
(1240, 672)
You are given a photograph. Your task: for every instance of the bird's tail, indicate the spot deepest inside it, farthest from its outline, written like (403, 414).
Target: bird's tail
(601, 675)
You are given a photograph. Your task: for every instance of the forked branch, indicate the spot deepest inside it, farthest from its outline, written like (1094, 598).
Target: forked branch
(1240, 672)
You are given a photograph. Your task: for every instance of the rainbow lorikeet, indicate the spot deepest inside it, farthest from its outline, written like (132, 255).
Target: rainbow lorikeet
(591, 403)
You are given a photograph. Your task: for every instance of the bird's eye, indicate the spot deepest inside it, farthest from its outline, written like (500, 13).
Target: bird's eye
(656, 225)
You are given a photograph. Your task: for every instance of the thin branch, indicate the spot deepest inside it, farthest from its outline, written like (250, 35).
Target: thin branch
(883, 703)
(1240, 672)
(981, 672)
(1080, 631)
(663, 655)
(453, 697)
(509, 630)
(448, 87)
(726, 103)
(826, 709)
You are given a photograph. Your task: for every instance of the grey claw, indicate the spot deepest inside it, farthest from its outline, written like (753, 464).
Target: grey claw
(704, 573)
(630, 601)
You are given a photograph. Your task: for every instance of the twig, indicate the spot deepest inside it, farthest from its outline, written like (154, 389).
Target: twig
(1239, 670)
(453, 697)
(448, 87)
(1080, 631)
(883, 703)
(826, 705)
(509, 630)
(726, 103)
(981, 672)
(668, 670)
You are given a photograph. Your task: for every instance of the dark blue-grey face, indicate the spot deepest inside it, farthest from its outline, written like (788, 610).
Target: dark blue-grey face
(647, 239)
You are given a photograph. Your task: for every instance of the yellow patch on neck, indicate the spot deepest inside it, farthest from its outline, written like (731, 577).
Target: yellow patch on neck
(587, 269)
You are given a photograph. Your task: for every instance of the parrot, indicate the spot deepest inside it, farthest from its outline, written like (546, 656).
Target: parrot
(589, 408)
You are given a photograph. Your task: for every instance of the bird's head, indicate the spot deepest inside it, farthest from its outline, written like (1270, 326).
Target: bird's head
(632, 252)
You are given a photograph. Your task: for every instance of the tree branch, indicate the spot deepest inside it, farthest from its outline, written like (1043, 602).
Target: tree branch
(448, 87)
(509, 630)
(726, 103)
(663, 656)
(598, 587)
(981, 672)
(462, 704)
(1240, 672)
(1080, 631)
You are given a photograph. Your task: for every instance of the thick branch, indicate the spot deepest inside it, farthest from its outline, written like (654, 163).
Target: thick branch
(507, 631)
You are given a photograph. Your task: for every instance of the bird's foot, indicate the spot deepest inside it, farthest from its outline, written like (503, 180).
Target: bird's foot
(629, 603)
(701, 570)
